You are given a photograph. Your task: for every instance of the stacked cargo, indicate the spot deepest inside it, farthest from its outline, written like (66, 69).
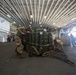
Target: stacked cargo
(41, 45)
(41, 40)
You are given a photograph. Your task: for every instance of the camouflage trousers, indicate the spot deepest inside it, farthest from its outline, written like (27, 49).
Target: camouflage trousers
(19, 45)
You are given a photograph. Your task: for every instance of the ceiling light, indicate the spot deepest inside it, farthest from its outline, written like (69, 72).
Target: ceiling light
(8, 15)
(31, 16)
(45, 30)
(73, 12)
(74, 18)
(44, 17)
(30, 22)
(14, 22)
(53, 23)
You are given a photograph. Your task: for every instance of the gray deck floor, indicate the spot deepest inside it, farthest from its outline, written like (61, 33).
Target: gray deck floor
(11, 65)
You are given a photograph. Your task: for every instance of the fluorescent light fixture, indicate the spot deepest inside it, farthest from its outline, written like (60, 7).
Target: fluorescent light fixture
(31, 16)
(8, 15)
(30, 22)
(44, 17)
(53, 23)
(74, 18)
(45, 30)
(14, 22)
(41, 33)
(73, 12)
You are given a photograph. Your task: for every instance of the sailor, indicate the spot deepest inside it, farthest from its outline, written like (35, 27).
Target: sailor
(18, 41)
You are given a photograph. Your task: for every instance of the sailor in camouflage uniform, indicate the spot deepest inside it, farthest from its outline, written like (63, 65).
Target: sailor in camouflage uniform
(18, 41)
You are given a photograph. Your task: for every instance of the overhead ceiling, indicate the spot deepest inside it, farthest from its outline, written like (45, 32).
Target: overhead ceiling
(53, 13)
